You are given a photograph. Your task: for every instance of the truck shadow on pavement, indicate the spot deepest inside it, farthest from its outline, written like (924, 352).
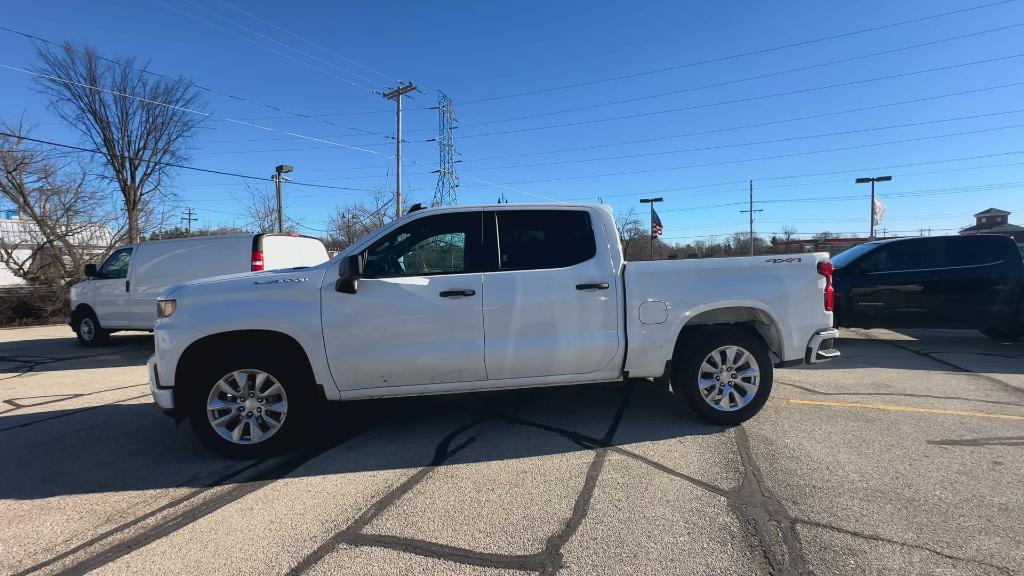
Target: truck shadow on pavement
(57, 354)
(129, 445)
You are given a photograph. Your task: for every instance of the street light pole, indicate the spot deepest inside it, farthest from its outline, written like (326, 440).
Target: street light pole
(871, 234)
(282, 169)
(651, 201)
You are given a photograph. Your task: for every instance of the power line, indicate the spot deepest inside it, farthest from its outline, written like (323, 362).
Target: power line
(828, 173)
(738, 55)
(775, 156)
(181, 166)
(146, 71)
(748, 99)
(754, 143)
(750, 78)
(755, 125)
(261, 45)
(307, 41)
(189, 110)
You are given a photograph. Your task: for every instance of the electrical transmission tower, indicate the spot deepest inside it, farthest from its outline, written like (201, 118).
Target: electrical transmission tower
(446, 193)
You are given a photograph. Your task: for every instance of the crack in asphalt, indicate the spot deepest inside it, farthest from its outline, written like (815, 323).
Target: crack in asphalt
(899, 394)
(879, 538)
(122, 548)
(70, 412)
(545, 562)
(23, 364)
(17, 405)
(979, 442)
(931, 356)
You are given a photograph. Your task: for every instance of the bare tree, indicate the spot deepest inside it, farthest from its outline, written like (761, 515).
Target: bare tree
(350, 222)
(631, 229)
(260, 206)
(138, 120)
(62, 220)
(788, 233)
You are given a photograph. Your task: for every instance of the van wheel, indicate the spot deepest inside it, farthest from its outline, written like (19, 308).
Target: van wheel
(89, 331)
(247, 405)
(725, 376)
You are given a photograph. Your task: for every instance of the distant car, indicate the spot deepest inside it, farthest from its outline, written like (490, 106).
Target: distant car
(932, 282)
(121, 294)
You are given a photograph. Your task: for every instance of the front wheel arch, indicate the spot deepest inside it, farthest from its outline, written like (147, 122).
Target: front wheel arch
(233, 343)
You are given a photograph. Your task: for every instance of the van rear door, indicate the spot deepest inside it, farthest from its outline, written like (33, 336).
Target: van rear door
(284, 251)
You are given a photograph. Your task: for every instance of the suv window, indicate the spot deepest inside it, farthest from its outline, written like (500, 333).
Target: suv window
(974, 251)
(538, 239)
(441, 244)
(116, 265)
(906, 255)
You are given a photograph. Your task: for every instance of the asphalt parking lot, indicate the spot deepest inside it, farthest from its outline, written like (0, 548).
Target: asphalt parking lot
(902, 457)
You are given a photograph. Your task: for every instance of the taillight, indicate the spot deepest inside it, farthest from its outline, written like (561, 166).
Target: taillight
(825, 269)
(257, 261)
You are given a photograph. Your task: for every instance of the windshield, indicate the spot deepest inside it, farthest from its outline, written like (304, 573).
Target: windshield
(843, 258)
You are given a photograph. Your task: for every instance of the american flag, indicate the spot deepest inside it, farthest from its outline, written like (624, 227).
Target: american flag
(656, 228)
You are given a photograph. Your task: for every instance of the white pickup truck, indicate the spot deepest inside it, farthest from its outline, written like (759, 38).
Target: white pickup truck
(473, 298)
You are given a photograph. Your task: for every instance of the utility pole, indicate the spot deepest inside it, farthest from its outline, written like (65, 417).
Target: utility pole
(654, 220)
(277, 178)
(750, 209)
(447, 180)
(189, 218)
(396, 95)
(872, 181)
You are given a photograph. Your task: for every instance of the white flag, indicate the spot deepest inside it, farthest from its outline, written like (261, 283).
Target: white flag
(877, 212)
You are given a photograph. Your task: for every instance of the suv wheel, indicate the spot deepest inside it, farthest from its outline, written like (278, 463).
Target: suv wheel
(245, 406)
(90, 333)
(725, 376)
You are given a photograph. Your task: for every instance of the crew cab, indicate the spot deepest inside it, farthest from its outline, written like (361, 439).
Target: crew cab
(974, 281)
(474, 298)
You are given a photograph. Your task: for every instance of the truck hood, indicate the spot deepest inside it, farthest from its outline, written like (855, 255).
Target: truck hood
(245, 281)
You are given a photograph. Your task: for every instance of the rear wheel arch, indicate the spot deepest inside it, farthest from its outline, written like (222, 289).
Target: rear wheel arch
(240, 342)
(755, 320)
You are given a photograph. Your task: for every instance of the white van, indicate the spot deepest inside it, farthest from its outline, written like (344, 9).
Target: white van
(121, 294)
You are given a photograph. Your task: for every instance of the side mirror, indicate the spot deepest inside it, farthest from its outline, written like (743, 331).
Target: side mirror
(90, 271)
(349, 274)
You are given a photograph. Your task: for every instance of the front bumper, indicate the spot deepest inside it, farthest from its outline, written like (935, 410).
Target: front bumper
(820, 348)
(164, 397)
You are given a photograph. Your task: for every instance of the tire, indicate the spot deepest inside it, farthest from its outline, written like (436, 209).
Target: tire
(1004, 332)
(742, 401)
(88, 330)
(270, 420)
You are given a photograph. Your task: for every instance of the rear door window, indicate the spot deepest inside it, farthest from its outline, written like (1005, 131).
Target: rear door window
(976, 251)
(543, 239)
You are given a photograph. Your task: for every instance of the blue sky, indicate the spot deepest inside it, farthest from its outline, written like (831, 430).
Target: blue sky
(707, 128)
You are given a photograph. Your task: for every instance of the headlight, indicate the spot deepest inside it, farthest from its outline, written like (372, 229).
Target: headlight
(165, 308)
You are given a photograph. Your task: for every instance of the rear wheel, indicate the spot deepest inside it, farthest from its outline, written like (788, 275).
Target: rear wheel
(90, 333)
(724, 376)
(248, 405)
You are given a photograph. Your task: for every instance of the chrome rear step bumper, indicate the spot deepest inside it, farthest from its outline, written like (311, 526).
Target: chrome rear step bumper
(820, 348)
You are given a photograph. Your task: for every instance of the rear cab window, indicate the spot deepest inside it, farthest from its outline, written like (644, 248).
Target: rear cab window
(543, 239)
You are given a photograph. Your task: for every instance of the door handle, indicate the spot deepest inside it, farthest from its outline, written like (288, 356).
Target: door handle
(450, 293)
(127, 285)
(593, 286)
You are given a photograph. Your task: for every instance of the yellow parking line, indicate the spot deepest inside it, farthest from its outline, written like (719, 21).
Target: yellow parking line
(895, 408)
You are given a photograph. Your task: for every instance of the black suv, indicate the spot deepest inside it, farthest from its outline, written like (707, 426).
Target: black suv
(932, 282)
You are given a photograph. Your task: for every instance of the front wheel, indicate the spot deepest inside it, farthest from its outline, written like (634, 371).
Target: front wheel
(247, 407)
(88, 330)
(725, 376)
